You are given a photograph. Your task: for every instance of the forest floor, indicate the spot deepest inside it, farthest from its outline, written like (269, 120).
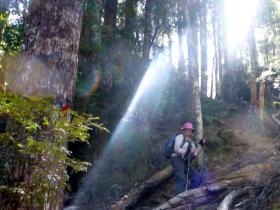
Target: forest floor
(236, 139)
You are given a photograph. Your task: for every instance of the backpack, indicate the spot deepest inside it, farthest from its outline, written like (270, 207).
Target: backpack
(168, 148)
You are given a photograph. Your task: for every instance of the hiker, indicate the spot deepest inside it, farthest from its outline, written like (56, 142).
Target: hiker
(184, 151)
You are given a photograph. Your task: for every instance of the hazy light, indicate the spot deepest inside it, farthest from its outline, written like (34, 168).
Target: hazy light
(239, 16)
(148, 95)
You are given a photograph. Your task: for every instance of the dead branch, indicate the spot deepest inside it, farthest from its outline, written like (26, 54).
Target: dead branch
(252, 175)
(231, 197)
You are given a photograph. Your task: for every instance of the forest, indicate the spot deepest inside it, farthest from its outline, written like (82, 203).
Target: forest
(92, 92)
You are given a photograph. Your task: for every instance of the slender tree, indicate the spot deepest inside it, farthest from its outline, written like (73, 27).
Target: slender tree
(254, 67)
(130, 21)
(110, 21)
(147, 30)
(181, 22)
(220, 53)
(203, 45)
(192, 34)
(261, 98)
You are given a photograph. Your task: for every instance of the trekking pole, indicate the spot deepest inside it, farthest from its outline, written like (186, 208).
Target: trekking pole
(187, 182)
(203, 163)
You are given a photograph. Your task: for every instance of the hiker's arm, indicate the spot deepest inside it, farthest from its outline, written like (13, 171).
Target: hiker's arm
(199, 147)
(177, 146)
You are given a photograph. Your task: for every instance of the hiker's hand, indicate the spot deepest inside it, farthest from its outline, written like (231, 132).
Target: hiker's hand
(194, 153)
(202, 141)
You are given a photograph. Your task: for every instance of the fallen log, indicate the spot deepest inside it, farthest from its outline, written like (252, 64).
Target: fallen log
(148, 186)
(231, 197)
(252, 175)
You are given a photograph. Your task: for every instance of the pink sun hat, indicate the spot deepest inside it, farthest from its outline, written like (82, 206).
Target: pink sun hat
(187, 125)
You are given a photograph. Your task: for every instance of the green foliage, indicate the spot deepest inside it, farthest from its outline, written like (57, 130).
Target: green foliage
(13, 35)
(33, 147)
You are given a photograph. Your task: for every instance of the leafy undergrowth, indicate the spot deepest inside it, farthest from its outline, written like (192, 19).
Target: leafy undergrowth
(33, 149)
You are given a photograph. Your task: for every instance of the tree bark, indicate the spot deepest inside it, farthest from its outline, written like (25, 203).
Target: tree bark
(181, 10)
(261, 99)
(220, 59)
(48, 66)
(203, 45)
(194, 70)
(110, 21)
(130, 21)
(254, 66)
(147, 30)
(253, 91)
(51, 51)
(216, 56)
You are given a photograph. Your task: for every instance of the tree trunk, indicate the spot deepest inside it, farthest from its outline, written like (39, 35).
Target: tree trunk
(130, 21)
(203, 45)
(49, 64)
(193, 68)
(220, 59)
(216, 56)
(147, 30)
(261, 99)
(253, 92)
(90, 35)
(181, 7)
(110, 21)
(255, 68)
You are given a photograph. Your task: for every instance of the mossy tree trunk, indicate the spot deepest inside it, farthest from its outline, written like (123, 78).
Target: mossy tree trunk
(48, 67)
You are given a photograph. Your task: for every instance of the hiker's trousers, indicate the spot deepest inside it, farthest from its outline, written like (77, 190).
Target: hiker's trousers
(180, 172)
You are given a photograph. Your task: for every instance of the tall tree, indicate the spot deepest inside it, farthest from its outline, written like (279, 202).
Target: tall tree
(148, 29)
(182, 24)
(130, 21)
(49, 64)
(203, 45)
(220, 50)
(110, 21)
(192, 34)
(254, 67)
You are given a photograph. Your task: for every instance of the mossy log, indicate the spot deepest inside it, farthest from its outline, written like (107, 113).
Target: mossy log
(148, 186)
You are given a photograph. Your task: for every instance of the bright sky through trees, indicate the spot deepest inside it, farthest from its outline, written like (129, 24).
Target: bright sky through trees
(239, 16)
